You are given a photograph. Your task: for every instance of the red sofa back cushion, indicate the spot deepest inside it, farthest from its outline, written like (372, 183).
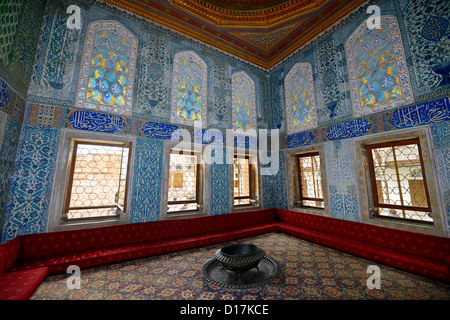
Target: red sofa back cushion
(428, 246)
(107, 236)
(305, 220)
(54, 243)
(12, 252)
(2, 260)
(248, 218)
(425, 245)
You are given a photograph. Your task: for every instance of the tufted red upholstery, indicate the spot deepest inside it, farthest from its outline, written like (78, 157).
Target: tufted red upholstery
(54, 243)
(12, 252)
(419, 253)
(21, 285)
(53, 252)
(2, 260)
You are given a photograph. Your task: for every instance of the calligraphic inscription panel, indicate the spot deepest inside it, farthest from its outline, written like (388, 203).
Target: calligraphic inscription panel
(425, 113)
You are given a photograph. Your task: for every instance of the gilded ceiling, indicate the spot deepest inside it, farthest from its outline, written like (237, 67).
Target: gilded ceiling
(262, 32)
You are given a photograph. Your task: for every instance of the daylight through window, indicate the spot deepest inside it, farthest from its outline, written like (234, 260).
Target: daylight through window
(98, 179)
(184, 176)
(310, 180)
(399, 186)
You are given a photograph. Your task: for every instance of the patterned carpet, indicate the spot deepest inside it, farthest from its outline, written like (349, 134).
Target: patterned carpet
(309, 271)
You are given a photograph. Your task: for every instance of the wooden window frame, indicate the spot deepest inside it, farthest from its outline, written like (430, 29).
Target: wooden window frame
(197, 183)
(72, 162)
(251, 195)
(374, 193)
(300, 184)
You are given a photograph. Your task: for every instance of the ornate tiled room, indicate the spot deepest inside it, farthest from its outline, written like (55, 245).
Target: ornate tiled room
(224, 150)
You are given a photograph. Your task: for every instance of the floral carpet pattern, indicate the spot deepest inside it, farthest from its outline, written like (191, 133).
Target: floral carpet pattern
(309, 271)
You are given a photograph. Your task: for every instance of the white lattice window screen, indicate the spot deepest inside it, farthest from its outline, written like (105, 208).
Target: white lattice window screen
(98, 180)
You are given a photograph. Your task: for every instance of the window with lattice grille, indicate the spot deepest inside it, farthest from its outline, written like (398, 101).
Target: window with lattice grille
(242, 180)
(310, 180)
(184, 181)
(98, 179)
(398, 183)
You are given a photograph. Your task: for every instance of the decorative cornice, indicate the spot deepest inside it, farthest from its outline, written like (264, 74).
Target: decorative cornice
(198, 31)
(244, 19)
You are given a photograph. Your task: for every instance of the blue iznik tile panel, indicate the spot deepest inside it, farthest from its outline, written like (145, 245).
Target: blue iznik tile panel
(427, 28)
(440, 133)
(147, 180)
(20, 22)
(154, 78)
(220, 186)
(331, 84)
(56, 53)
(279, 185)
(31, 187)
(7, 161)
(341, 180)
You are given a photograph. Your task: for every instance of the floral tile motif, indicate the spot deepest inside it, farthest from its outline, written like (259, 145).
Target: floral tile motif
(301, 112)
(189, 89)
(27, 208)
(377, 70)
(243, 102)
(108, 70)
(147, 180)
(220, 188)
(426, 23)
(341, 180)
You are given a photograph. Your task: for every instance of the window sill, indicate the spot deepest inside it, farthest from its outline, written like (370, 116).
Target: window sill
(88, 223)
(402, 222)
(184, 214)
(245, 207)
(311, 210)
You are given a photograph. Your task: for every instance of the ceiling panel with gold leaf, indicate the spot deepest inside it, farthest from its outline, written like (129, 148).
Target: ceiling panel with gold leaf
(262, 32)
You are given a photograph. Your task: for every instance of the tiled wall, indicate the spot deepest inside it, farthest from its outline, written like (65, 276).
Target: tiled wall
(49, 108)
(337, 125)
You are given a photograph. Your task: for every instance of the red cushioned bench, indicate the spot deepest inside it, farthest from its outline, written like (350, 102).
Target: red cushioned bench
(27, 259)
(419, 253)
(18, 285)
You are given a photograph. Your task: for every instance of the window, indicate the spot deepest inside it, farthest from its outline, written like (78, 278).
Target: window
(398, 183)
(301, 112)
(189, 89)
(243, 102)
(245, 184)
(184, 189)
(108, 68)
(377, 68)
(98, 179)
(309, 180)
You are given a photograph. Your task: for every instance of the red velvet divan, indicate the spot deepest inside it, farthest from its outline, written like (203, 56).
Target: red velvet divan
(25, 261)
(97, 246)
(427, 255)
(18, 285)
